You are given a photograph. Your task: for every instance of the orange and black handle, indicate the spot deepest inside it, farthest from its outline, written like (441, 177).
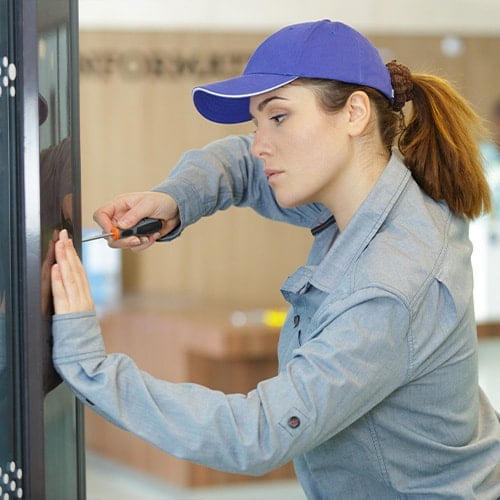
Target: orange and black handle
(142, 228)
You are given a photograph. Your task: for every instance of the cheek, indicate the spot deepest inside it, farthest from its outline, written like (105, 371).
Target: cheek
(317, 150)
(303, 144)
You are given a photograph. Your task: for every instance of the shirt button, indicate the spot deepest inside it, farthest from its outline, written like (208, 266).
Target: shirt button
(293, 422)
(296, 320)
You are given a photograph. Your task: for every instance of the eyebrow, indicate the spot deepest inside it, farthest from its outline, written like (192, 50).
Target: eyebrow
(265, 102)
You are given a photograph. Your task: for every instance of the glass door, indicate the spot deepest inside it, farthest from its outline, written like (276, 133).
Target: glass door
(41, 437)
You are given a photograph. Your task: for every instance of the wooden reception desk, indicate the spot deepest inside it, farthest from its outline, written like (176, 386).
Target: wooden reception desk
(183, 342)
(485, 330)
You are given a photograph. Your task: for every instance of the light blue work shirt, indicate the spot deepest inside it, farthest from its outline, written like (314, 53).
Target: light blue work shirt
(377, 392)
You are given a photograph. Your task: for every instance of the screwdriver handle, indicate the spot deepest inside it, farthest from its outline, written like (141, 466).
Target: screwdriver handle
(143, 227)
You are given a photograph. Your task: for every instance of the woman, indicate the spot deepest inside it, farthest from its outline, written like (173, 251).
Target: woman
(376, 395)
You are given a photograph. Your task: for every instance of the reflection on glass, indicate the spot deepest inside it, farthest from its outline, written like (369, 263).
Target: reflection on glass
(58, 174)
(56, 193)
(56, 159)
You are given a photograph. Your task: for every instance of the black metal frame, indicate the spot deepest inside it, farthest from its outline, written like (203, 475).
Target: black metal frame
(28, 241)
(26, 234)
(77, 219)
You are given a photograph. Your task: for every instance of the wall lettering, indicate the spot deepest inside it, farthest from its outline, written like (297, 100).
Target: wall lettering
(157, 64)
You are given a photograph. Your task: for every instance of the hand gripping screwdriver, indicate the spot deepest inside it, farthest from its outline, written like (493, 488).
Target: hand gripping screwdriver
(142, 228)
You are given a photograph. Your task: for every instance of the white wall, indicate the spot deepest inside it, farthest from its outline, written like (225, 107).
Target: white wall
(415, 16)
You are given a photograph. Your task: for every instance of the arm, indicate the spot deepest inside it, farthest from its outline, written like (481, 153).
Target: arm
(222, 174)
(323, 385)
(252, 433)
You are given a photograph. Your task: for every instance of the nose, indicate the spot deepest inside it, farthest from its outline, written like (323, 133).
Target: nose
(260, 148)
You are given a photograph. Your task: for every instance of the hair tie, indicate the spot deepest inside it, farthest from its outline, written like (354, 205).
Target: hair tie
(401, 83)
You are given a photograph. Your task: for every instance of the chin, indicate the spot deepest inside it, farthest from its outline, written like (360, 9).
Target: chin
(288, 199)
(288, 203)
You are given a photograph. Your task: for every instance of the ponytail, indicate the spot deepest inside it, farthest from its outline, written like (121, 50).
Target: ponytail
(440, 143)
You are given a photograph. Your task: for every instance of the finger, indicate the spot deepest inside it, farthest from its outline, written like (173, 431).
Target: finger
(147, 204)
(73, 276)
(104, 220)
(65, 273)
(135, 243)
(128, 209)
(83, 298)
(123, 243)
(142, 206)
(63, 235)
(61, 304)
(109, 214)
(145, 242)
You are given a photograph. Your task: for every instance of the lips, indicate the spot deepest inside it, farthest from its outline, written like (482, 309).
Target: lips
(271, 173)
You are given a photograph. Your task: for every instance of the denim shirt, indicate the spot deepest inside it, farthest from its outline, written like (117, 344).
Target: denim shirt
(377, 393)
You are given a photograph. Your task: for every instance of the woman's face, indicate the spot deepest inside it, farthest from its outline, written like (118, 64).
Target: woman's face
(306, 151)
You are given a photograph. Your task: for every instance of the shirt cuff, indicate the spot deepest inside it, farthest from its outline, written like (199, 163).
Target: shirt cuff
(76, 336)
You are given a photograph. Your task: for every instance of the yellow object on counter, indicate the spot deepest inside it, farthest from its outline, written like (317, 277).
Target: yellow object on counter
(274, 317)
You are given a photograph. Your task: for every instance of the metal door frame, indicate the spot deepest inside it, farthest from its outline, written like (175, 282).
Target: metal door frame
(26, 229)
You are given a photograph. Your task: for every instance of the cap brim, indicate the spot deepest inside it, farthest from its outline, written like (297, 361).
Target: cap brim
(228, 101)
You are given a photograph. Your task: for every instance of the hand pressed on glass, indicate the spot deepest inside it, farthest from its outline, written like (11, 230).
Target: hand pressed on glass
(70, 286)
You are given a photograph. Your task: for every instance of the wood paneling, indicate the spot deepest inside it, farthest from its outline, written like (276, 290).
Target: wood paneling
(137, 118)
(134, 127)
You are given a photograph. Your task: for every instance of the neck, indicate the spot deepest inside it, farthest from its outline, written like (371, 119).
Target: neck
(352, 192)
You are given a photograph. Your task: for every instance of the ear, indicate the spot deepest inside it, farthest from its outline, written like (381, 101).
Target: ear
(359, 108)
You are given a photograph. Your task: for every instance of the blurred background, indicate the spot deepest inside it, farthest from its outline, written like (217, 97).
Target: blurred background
(138, 64)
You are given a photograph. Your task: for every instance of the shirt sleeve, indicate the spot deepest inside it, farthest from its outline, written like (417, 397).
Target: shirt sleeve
(224, 174)
(348, 366)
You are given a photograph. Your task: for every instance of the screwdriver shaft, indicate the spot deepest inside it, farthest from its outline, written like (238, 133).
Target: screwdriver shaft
(97, 237)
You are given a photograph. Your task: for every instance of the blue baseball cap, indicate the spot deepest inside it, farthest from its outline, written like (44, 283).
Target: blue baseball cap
(322, 49)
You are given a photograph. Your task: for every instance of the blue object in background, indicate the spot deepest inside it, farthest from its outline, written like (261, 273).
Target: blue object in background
(104, 270)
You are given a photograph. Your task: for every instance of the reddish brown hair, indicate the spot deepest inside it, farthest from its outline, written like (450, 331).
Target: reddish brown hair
(440, 145)
(440, 141)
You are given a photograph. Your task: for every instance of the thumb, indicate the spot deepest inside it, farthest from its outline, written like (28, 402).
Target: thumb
(151, 204)
(143, 208)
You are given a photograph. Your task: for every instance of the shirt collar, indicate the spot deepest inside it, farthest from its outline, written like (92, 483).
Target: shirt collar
(363, 226)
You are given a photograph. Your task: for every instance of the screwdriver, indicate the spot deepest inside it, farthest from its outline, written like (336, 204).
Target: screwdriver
(142, 228)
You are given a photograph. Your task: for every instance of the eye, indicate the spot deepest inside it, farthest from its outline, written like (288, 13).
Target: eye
(278, 119)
